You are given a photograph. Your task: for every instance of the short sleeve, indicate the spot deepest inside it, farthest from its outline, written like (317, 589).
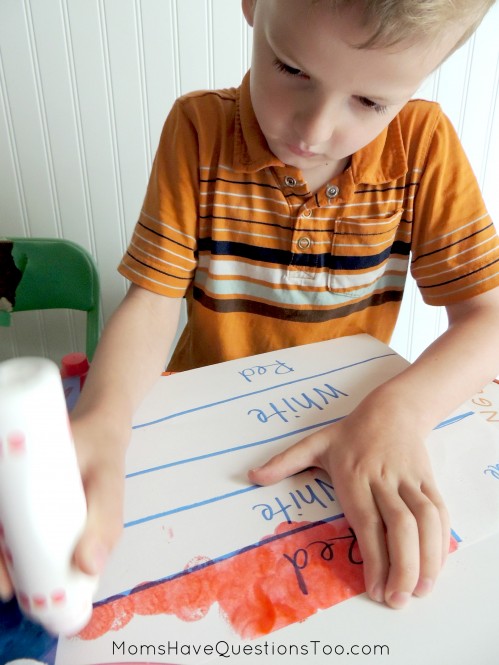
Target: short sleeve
(161, 256)
(455, 248)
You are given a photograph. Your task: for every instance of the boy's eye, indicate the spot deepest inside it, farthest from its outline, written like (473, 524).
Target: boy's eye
(287, 69)
(368, 103)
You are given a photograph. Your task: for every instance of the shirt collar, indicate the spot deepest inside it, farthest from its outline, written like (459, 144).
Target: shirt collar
(382, 160)
(251, 151)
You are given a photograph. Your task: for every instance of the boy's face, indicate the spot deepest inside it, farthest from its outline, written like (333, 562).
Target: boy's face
(317, 98)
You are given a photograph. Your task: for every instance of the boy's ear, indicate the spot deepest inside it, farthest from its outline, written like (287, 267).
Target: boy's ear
(249, 10)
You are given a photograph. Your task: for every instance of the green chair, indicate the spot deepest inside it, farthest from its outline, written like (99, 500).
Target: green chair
(49, 273)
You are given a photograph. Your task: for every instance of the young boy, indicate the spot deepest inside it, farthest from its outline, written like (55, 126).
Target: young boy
(285, 212)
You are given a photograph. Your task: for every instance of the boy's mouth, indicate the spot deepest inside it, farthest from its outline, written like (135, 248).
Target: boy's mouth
(300, 151)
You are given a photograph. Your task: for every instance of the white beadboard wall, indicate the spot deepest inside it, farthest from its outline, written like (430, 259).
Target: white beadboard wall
(85, 86)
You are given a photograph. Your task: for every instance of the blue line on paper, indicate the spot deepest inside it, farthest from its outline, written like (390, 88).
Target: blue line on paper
(222, 557)
(197, 458)
(231, 450)
(222, 497)
(190, 506)
(454, 419)
(201, 407)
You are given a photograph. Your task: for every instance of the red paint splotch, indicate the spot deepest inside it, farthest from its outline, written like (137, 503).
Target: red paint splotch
(286, 578)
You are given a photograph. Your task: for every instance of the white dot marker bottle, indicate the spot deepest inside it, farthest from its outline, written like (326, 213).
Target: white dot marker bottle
(42, 502)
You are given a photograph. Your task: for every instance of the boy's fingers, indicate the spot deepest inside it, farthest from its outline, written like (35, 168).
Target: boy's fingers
(434, 529)
(363, 516)
(402, 539)
(296, 458)
(415, 527)
(104, 522)
(445, 526)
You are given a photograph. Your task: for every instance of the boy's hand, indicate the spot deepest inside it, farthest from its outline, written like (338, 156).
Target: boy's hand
(102, 465)
(382, 476)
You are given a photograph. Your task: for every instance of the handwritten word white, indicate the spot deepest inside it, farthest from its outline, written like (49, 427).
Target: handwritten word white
(287, 408)
(321, 493)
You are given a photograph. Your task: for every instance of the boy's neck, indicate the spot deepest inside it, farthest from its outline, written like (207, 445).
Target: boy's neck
(320, 176)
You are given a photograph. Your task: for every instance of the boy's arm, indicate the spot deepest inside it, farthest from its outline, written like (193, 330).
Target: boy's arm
(378, 462)
(130, 356)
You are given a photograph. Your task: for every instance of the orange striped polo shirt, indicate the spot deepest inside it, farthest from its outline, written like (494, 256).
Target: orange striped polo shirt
(265, 264)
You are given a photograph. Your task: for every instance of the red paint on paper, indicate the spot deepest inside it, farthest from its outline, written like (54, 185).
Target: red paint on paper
(283, 580)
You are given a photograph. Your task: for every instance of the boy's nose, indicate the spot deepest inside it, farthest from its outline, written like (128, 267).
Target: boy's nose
(315, 124)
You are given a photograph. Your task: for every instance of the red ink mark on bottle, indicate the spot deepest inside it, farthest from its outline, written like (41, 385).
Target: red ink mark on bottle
(23, 599)
(39, 601)
(17, 443)
(58, 597)
(282, 580)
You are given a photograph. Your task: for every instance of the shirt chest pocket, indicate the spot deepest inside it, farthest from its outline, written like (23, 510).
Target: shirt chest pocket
(360, 254)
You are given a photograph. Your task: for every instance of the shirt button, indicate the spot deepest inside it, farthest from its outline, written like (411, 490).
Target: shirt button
(304, 242)
(289, 181)
(307, 213)
(332, 191)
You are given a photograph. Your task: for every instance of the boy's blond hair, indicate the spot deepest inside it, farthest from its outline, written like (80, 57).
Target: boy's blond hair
(395, 21)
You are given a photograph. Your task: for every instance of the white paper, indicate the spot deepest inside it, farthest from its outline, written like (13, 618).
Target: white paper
(189, 504)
